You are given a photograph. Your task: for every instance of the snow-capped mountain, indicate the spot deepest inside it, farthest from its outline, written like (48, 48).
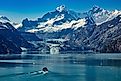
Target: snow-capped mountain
(98, 14)
(101, 15)
(4, 19)
(93, 29)
(63, 18)
(59, 11)
(89, 30)
(60, 8)
(5, 23)
(57, 20)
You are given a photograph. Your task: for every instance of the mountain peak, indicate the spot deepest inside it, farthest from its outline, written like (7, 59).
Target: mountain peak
(4, 18)
(96, 9)
(61, 8)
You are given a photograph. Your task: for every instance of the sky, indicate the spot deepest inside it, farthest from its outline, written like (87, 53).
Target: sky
(17, 10)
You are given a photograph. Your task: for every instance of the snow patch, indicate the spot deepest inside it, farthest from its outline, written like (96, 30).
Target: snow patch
(80, 23)
(111, 16)
(110, 25)
(51, 21)
(60, 8)
(17, 25)
(32, 30)
(114, 14)
(3, 26)
(3, 21)
(74, 24)
(120, 20)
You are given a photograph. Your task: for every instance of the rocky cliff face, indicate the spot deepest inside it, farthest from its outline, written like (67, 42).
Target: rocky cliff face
(8, 47)
(10, 39)
(112, 46)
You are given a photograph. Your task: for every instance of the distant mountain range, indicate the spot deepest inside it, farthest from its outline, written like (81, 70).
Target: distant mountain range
(97, 29)
(63, 18)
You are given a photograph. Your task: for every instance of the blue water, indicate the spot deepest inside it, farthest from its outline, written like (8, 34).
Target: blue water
(62, 68)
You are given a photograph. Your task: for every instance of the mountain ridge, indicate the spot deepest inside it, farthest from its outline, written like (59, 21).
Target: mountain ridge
(56, 20)
(91, 30)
